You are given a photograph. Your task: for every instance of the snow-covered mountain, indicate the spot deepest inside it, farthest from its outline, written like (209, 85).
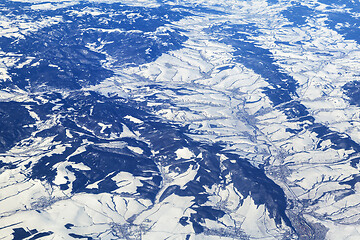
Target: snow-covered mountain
(179, 119)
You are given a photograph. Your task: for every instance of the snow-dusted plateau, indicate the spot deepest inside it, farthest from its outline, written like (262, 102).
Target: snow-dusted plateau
(151, 120)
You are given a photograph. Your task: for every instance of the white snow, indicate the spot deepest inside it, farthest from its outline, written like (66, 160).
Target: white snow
(136, 149)
(133, 119)
(126, 182)
(184, 153)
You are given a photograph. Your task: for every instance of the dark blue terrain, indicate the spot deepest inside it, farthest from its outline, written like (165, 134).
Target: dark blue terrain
(65, 61)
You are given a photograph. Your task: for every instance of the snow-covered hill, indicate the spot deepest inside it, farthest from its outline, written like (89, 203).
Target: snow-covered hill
(179, 119)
